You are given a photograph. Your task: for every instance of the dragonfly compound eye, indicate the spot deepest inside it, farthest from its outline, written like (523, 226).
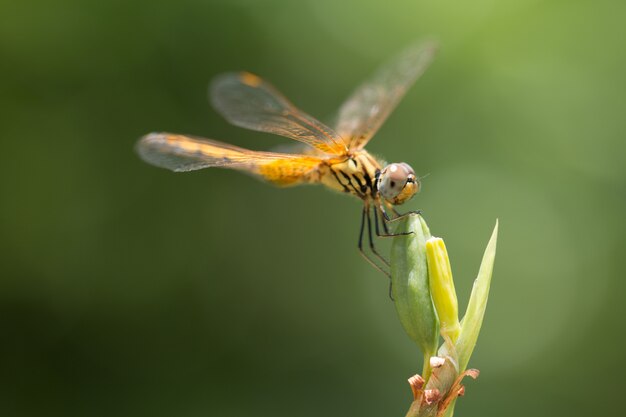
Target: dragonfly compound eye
(397, 183)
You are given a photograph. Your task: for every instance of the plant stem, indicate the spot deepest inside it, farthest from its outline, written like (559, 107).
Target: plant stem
(426, 369)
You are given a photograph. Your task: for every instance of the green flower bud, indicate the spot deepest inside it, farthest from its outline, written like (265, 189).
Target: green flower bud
(410, 286)
(442, 288)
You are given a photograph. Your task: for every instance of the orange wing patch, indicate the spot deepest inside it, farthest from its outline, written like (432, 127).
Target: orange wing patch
(290, 171)
(184, 153)
(250, 79)
(218, 151)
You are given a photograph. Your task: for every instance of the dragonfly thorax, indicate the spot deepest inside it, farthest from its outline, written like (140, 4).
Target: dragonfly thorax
(397, 183)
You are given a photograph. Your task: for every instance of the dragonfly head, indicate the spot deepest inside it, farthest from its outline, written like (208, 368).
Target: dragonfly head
(397, 183)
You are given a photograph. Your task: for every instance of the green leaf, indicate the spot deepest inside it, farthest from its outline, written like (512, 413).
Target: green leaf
(473, 319)
(410, 286)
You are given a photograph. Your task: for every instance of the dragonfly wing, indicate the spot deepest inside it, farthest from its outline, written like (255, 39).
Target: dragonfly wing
(247, 101)
(368, 107)
(185, 153)
(298, 148)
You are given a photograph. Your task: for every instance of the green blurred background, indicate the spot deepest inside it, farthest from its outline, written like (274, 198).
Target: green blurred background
(128, 290)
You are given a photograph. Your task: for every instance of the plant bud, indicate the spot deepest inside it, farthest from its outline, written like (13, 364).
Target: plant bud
(442, 288)
(410, 287)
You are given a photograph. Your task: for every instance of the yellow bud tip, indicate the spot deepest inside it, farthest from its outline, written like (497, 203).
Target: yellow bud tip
(442, 288)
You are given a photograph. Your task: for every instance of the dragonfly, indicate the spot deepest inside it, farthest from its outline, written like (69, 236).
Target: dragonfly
(334, 157)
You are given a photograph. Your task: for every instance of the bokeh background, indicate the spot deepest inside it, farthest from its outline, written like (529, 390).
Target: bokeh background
(128, 290)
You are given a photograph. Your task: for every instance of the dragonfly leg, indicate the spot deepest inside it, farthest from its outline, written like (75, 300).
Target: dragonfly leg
(397, 215)
(385, 219)
(376, 221)
(375, 209)
(371, 239)
(364, 214)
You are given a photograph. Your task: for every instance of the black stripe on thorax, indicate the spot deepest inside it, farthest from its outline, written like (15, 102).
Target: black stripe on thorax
(362, 186)
(369, 184)
(375, 185)
(356, 190)
(345, 187)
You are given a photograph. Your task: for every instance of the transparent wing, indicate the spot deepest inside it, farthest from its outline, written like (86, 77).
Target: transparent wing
(298, 148)
(368, 107)
(247, 101)
(184, 153)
